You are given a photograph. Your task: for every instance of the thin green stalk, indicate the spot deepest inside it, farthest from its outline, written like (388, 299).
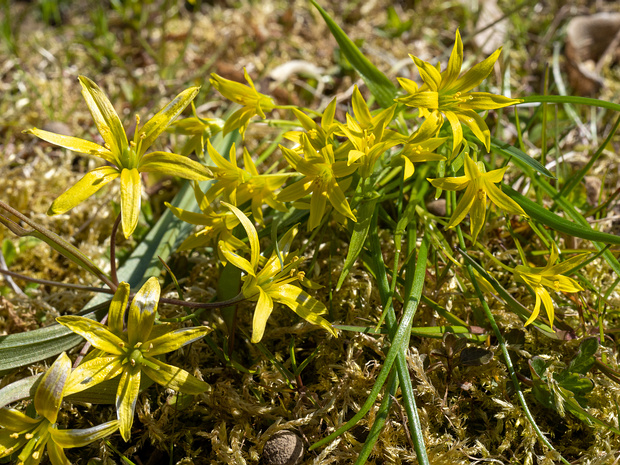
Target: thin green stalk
(504, 349)
(401, 337)
(380, 419)
(413, 286)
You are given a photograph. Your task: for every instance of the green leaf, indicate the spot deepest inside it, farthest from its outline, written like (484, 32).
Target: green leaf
(22, 349)
(378, 83)
(584, 361)
(358, 238)
(550, 219)
(508, 152)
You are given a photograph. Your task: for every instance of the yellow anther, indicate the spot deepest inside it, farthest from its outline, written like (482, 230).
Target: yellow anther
(36, 454)
(14, 435)
(481, 194)
(132, 143)
(556, 284)
(137, 120)
(29, 436)
(143, 135)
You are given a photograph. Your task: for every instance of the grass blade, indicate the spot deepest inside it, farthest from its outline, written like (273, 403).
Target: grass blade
(381, 87)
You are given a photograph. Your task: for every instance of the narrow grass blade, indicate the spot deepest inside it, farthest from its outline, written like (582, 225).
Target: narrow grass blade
(550, 219)
(358, 238)
(381, 87)
(508, 151)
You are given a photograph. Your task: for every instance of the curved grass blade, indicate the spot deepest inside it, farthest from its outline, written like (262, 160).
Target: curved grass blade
(508, 151)
(550, 219)
(358, 238)
(401, 337)
(378, 83)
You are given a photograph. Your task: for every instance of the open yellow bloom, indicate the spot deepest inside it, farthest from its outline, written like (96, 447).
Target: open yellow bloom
(129, 158)
(134, 351)
(34, 434)
(421, 145)
(478, 184)
(321, 172)
(551, 276)
(273, 282)
(368, 134)
(254, 103)
(447, 93)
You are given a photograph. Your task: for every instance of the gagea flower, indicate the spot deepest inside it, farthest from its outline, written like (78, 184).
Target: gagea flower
(254, 103)
(273, 283)
(550, 276)
(478, 184)
(129, 159)
(447, 93)
(32, 435)
(132, 352)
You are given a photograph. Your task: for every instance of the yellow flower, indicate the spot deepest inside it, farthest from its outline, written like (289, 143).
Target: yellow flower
(368, 134)
(131, 352)
(254, 103)
(129, 158)
(218, 225)
(273, 282)
(551, 276)
(451, 95)
(34, 434)
(199, 129)
(478, 184)
(320, 171)
(421, 145)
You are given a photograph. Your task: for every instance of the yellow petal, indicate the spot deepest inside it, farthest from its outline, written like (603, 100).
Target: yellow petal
(317, 207)
(81, 437)
(474, 121)
(116, 313)
(464, 205)
(107, 120)
(158, 123)
(454, 64)
(429, 74)
(74, 143)
(49, 394)
(84, 188)
(264, 307)
(360, 108)
(536, 311)
(487, 101)
(93, 372)
(175, 165)
(143, 311)
(477, 73)
(94, 332)
(174, 378)
(131, 197)
(457, 130)
(250, 231)
(126, 397)
(450, 183)
(477, 213)
(500, 199)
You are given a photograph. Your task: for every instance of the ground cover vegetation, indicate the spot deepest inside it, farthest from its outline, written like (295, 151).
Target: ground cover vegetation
(304, 232)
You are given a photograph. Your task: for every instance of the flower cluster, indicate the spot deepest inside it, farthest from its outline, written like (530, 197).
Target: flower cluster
(328, 169)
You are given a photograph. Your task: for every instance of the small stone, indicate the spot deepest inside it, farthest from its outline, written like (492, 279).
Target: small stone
(283, 448)
(437, 207)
